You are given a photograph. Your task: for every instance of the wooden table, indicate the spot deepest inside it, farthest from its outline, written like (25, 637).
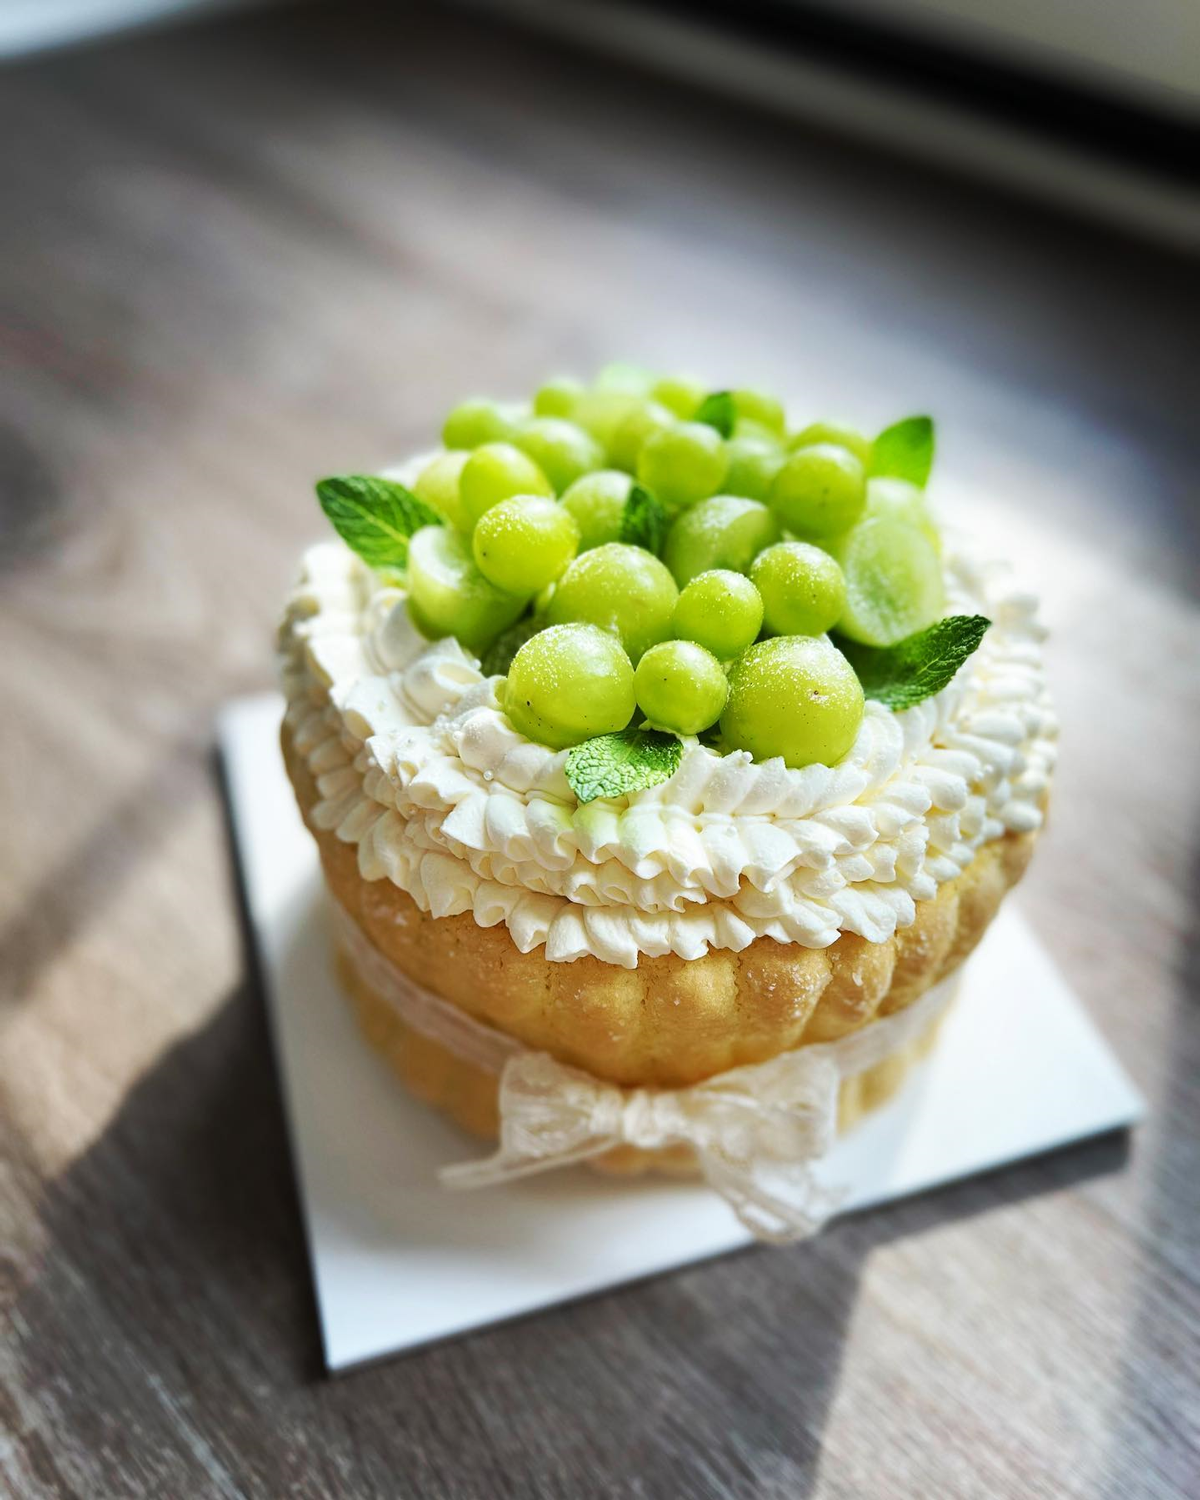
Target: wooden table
(240, 255)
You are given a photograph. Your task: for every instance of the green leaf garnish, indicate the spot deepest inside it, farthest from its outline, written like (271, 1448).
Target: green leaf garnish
(498, 657)
(644, 522)
(904, 451)
(918, 666)
(717, 411)
(374, 517)
(612, 765)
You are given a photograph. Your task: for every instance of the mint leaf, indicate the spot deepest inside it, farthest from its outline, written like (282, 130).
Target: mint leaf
(375, 517)
(905, 451)
(717, 411)
(918, 666)
(499, 655)
(644, 522)
(611, 765)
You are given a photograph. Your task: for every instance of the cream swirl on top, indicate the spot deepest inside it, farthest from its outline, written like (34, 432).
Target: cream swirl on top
(416, 764)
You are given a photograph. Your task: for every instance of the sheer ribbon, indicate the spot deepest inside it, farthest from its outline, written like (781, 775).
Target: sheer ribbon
(755, 1131)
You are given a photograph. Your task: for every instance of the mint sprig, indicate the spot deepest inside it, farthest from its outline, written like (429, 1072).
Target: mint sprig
(920, 665)
(905, 451)
(613, 765)
(644, 522)
(374, 517)
(717, 411)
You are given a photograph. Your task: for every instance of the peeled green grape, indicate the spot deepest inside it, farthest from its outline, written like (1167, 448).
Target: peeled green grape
(720, 610)
(602, 412)
(753, 465)
(680, 687)
(758, 407)
(474, 422)
(493, 473)
(568, 683)
(524, 543)
(833, 432)
(597, 501)
(646, 418)
(621, 588)
(559, 397)
(900, 501)
(684, 464)
(743, 427)
(803, 591)
(680, 394)
(562, 450)
(893, 581)
(437, 485)
(727, 531)
(448, 595)
(629, 380)
(793, 696)
(820, 491)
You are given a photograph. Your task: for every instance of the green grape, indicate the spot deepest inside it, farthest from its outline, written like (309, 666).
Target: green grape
(743, 427)
(597, 501)
(794, 696)
(684, 464)
(727, 531)
(803, 591)
(764, 410)
(646, 418)
(560, 449)
(680, 687)
(753, 465)
(820, 491)
(437, 485)
(893, 581)
(493, 473)
(448, 595)
(629, 380)
(474, 422)
(680, 394)
(900, 501)
(832, 432)
(602, 412)
(720, 610)
(558, 398)
(620, 588)
(568, 683)
(524, 543)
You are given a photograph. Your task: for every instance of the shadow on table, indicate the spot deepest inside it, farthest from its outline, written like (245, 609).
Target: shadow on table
(176, 1292)
(1151, 1423)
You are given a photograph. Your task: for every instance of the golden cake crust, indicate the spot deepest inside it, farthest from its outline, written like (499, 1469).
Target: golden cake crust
(669, 1022)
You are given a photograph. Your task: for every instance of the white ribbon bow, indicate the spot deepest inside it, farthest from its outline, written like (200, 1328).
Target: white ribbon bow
(754, 1131)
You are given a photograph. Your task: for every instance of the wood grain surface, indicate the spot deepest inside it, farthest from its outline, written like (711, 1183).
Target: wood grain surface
(244, 253)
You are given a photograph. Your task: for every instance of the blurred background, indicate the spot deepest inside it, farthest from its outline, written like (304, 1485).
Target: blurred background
(1090, 102)
(245, 245)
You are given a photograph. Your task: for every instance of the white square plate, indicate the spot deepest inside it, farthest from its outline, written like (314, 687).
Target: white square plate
(399, 1261)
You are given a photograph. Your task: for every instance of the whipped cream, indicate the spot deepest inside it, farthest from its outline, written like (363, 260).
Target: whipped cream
(417, 765)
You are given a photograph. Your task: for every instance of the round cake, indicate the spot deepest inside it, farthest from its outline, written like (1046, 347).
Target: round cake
(650, 735)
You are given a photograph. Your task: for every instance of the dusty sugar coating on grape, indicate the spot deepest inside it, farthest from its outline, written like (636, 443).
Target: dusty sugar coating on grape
(793, 696)
(622, 589)
(720, 610)
(680, 687)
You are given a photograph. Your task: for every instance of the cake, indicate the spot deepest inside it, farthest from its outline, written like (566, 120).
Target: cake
(665, 761)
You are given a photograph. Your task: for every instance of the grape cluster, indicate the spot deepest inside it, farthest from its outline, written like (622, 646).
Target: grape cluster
(775, 538)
